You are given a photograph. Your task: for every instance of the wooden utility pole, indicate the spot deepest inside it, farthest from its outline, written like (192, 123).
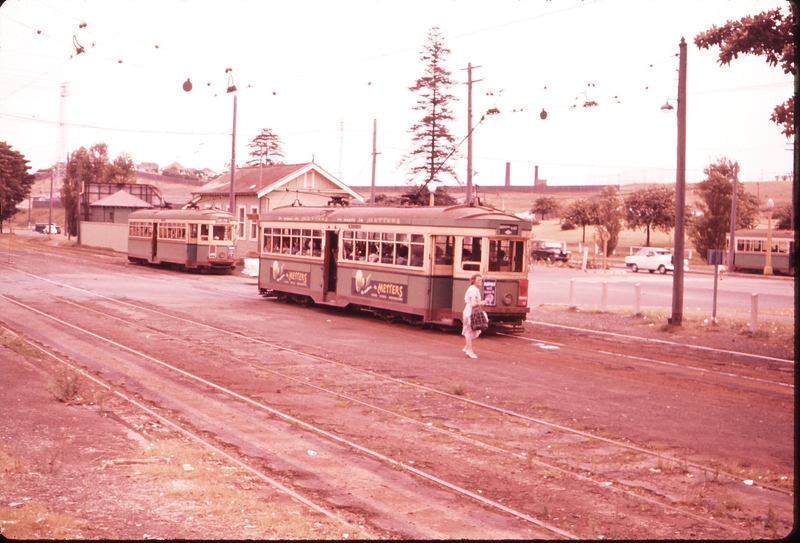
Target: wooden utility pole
(680, 195)
(734, 207)
(374, 159)
(469, 67)
(233, 156)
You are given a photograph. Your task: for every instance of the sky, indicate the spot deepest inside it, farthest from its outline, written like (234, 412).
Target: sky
(321, 74)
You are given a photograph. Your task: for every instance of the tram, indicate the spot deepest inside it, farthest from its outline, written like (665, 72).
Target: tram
(750, 253)
(185, 239)
(401, 263)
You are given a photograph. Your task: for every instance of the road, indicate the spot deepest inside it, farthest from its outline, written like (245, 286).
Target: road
(551, 285)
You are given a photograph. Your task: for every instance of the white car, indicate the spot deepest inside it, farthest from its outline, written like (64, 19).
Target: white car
(653, 259)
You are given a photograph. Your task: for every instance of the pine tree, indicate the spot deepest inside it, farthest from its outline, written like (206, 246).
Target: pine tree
(428, 161)
(266, 148)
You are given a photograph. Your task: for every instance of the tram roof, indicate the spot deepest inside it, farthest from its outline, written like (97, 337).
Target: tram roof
(460, 215)
(181, 214)
(762, 233)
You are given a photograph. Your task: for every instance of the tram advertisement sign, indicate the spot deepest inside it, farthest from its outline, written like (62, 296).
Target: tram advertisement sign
(289, 277)
(382, 290)
(490, 291)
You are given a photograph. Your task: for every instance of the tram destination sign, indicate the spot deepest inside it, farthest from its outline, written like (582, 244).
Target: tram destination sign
(508, 229)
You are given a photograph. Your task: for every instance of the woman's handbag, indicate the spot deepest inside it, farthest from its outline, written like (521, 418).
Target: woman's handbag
(479, 320)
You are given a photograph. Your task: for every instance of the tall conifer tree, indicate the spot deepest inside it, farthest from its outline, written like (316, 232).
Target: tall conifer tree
(431, 135)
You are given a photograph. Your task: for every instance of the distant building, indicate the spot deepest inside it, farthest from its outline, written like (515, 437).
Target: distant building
(260, 189)
(104, 210)
(149, 167)
(176, 167)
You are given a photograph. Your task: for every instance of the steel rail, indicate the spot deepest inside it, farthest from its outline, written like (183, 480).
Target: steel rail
(272, 482)
(521, 416)
(309, 427)
(471, 440)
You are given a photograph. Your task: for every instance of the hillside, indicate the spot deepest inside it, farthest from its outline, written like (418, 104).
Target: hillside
(518, 200)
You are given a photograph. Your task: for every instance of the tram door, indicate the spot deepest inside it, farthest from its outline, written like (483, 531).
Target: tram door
(331, 246)
(154, 243)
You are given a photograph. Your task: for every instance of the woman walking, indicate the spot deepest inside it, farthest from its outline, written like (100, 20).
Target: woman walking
(472, 299)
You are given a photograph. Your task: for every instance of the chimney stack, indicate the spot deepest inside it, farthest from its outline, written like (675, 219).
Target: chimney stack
(508, 174)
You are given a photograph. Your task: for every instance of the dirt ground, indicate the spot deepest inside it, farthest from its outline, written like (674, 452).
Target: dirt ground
(94, 467)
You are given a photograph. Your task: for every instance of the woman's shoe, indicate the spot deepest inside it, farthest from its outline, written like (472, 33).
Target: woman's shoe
(471, 355)
(464, 349)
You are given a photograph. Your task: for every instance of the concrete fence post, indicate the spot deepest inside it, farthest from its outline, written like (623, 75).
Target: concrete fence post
(637, 299)
(585, 258)
(754, 312)
(572, 304)
(604, 302)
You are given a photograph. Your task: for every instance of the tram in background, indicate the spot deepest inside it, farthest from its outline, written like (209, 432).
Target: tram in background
(185, 239)
(750, 253)
(400, 263)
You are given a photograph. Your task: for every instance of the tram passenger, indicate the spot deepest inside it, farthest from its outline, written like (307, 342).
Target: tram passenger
(402, 255)
(316, 247)
(388, 254)
(472, 299)
(373, 254)
(416, 255)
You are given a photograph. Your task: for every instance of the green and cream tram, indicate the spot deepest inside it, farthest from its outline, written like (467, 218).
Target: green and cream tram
(186, 239)
(409, 263)
(750, 252)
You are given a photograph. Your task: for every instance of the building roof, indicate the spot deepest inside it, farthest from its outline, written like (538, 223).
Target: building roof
(174, 166)
(259, 181)
(120, 199)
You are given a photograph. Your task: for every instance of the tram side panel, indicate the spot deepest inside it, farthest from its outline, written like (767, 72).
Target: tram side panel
(283, 275)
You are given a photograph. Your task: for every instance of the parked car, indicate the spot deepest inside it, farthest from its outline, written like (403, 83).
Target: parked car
(549, 250)
(653, 259)
(47, 228)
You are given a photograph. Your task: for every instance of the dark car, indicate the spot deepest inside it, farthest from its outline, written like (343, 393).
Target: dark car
(549, 250)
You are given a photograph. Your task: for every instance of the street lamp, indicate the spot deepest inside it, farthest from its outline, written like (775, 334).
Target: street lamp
(768, 262)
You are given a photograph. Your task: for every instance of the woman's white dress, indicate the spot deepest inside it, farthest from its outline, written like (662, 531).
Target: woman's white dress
(466, 317)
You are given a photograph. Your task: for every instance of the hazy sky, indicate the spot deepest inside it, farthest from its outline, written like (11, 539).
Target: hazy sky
(318, 72)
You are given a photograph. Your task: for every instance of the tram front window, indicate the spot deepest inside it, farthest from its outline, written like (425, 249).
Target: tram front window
(505, 255)
(471, 254)
(222, 232)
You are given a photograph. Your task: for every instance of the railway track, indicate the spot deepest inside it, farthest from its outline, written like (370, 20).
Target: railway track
(453, 423)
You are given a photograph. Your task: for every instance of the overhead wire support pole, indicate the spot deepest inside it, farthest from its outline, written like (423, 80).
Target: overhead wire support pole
(680, 195)
(374, 159)
(469, 67)
(233, 156)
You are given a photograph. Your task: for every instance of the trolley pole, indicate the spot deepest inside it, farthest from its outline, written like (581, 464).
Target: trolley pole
(680, 194)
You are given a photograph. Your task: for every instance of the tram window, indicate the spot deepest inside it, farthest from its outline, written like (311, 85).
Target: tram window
(498, 254)
(471, 254)
(203, 232)
(373, 247)
(444, 249)
(417, 250)
(222, 232)
(193, 231)
(402, 255)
